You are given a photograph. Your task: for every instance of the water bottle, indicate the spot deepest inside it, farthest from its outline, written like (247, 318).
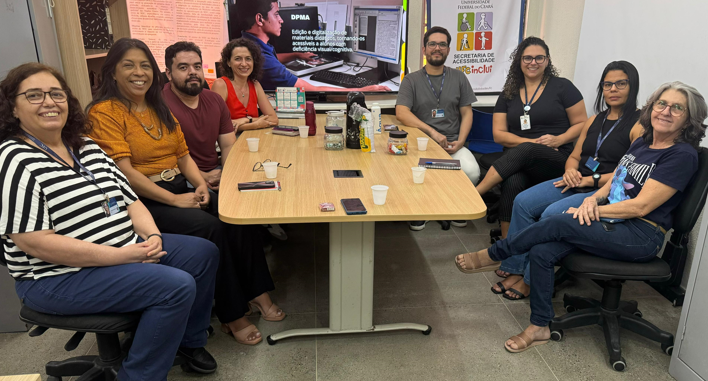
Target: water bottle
(376, 115)
(352, 138)
(311, 118)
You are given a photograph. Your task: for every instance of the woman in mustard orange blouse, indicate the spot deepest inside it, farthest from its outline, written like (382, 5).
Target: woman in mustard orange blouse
(133, 124)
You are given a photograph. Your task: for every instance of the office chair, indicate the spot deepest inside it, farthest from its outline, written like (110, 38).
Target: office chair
(481, 141)
(611, 313)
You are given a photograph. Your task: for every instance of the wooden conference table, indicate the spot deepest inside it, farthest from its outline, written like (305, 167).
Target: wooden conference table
(445, 195)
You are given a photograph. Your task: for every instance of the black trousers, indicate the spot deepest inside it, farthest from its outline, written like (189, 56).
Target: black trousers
(243, 271)
(524, 166)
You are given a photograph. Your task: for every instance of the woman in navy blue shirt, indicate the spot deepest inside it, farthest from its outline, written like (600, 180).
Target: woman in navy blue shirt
(625, 220)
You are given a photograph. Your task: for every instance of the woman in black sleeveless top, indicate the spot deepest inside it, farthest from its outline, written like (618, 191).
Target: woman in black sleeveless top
(586, 170)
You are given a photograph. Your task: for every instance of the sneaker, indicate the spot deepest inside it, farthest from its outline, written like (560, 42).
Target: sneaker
(198, 359)
(459, 223)
(417, 225)
(276, 231)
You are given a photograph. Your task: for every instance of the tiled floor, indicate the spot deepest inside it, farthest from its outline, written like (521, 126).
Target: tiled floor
(415, 281)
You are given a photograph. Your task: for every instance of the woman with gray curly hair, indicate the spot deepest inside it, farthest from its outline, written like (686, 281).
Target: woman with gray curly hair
(631, 213)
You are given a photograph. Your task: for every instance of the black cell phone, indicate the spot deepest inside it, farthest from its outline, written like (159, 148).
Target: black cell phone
(607, 226)
(256, 185)
(353, 206)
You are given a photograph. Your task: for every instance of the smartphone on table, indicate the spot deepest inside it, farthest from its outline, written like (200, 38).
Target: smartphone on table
(353, 206)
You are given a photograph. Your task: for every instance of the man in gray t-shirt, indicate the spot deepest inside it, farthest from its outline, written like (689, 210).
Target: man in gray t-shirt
(438, 100)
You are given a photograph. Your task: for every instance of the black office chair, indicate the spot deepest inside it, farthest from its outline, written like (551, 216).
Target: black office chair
(611, 313)
(111, 350)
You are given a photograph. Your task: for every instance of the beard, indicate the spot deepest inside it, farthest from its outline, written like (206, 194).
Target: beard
(435, 61)
(189, 88)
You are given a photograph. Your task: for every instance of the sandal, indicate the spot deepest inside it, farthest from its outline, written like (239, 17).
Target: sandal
(501, 286)
(524, 342)
(474, 265)
(241, 336)
(516, 292)
(271, 314)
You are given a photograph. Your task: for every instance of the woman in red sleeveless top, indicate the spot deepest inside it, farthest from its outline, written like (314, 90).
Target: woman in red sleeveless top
(242, 62)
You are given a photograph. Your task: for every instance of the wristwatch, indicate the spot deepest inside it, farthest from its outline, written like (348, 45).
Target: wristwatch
(250, 119)
(596, 180)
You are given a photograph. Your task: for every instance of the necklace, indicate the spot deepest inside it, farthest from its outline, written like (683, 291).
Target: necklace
(243, 93)
(147, 129)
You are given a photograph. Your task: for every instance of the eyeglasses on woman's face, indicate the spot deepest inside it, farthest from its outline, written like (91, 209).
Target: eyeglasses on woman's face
(675, 109)
(37, 97)
(528, 59)
(621, 84)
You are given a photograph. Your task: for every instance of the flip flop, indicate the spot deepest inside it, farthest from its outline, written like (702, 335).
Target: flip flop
(474, 265)
(524, 342)
(516, 292)
(501, 286)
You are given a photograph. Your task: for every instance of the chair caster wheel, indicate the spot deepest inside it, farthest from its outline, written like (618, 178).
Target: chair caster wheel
(210, 332)
(619, 365)
(638, 314)
(445, 225)
(427, 331)
(270, 340)
(668, 349)
(53, 378)
(569, 308)
(557, 335)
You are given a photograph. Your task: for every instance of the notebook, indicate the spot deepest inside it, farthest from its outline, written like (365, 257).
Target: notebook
(439, 163)
(259, 186)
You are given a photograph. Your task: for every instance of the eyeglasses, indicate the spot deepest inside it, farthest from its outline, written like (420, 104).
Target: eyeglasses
(433, 45)
(37, 96)
(675, 109)
(538, 59)
(621, 84)
(259, 166)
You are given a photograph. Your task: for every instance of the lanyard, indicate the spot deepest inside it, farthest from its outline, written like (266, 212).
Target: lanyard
(527, 106)
(437, 96)
(90, 178)
(601, 139)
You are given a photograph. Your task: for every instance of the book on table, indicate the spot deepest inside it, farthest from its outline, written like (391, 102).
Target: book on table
(439, 163)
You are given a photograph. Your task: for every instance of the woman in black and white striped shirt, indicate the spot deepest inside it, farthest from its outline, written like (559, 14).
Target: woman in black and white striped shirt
(77, 239)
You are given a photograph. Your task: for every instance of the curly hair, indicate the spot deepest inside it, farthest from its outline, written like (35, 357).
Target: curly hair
(77, 125)
(109, 88)
(255, 51)
(515, 78)
(695, 129)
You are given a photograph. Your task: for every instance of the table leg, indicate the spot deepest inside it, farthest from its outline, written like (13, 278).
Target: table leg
(351, 285)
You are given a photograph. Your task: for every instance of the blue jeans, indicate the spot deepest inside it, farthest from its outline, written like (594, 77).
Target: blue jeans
(552, 238)
(175, 297)
(531, 205)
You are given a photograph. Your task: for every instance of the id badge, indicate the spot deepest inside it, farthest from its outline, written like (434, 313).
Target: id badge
(525, 122)
(110, 207)
(592, 164)
(438, 113)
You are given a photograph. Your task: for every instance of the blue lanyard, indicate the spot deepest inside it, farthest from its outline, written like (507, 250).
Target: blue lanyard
(527, 106)
(90, 178)
(601, 139)
(437, 96)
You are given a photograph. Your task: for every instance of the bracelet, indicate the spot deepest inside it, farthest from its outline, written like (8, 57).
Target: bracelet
(155, 234)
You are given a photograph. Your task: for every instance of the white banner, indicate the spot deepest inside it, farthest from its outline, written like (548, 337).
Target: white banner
(484, 33)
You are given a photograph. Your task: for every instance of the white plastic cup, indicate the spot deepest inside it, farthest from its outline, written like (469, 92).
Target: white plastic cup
(271, 169)
(422, 144)
(418, 174)
(304, 130)
(379, 194)
(253, 144)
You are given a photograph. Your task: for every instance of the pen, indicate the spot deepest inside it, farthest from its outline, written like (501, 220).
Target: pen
(440, 163)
